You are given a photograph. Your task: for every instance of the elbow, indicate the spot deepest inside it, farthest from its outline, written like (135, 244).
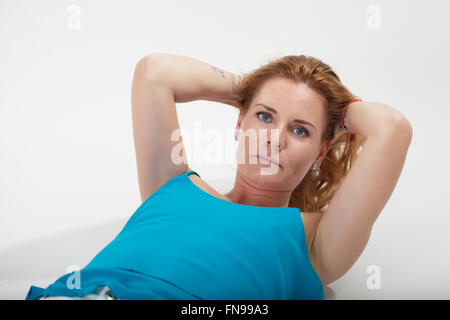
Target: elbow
(149, 66)
(403, 127)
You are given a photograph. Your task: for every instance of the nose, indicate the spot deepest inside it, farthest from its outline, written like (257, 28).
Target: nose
(277, 139)
(277, 145)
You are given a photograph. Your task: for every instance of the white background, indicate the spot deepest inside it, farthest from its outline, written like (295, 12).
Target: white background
(67, 164)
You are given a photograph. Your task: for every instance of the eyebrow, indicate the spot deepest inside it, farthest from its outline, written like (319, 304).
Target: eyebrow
(275, 112)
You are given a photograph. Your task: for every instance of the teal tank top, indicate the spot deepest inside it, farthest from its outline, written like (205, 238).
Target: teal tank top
(184, 243)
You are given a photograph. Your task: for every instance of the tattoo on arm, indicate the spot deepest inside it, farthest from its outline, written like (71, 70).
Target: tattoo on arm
(235, 80)
(218, 70)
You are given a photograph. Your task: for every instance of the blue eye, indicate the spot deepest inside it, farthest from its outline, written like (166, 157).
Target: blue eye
(304, 130)
(263, 113)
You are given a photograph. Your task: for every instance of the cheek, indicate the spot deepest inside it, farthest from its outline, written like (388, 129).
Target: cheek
(252, 136)
(299, 156)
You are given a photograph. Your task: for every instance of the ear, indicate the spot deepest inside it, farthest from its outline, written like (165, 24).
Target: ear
(323, 151)
(239, 122)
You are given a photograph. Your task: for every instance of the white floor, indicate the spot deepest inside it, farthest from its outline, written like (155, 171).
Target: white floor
(410, 265)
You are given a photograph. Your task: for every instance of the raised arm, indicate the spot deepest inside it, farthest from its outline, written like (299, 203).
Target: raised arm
(190, 79)
(345, 226)
(159, 81)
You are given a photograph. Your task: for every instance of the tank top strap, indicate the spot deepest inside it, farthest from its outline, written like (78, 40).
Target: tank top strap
(189, 172)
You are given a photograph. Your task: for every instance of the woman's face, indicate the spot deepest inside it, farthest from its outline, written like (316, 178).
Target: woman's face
(269, 128)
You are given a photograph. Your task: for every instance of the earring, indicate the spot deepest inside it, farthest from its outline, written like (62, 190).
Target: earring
(314, 166)
(236, 138)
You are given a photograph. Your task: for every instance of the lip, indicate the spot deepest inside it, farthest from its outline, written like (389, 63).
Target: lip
(268, 159)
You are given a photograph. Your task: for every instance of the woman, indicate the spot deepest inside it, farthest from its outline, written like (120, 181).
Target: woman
(188, 241)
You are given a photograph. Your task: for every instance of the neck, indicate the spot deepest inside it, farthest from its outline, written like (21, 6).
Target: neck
(247, 193)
